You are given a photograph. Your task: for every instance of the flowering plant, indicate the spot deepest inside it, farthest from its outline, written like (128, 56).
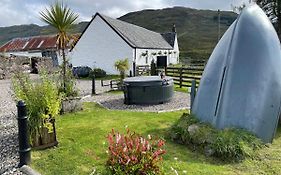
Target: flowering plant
(131, 153)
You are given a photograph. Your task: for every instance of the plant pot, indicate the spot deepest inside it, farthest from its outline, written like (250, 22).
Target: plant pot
(46, 139)
(71, 105)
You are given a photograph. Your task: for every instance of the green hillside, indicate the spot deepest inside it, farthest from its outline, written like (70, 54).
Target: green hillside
(197, 29)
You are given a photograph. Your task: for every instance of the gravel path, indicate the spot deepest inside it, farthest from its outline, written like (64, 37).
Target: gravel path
(116, 101)
(8, 132)
(85, 87)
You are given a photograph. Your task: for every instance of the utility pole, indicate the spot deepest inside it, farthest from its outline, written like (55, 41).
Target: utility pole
(219, 25)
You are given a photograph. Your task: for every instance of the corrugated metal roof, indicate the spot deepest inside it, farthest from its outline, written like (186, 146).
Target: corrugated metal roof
(138, 36)
(32, 43)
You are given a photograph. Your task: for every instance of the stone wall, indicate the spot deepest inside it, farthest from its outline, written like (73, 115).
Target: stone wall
(9, 64)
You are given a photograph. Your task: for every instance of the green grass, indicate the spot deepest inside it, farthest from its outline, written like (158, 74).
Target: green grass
(82, 148)
(181, 89)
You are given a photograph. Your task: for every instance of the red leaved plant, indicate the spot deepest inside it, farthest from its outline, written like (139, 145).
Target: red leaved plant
(131, 153)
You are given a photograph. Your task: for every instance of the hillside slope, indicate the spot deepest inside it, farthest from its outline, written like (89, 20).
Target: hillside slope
(197, 29)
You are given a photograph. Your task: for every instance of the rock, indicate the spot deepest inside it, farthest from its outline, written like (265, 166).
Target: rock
(192, 129)
(209, 152)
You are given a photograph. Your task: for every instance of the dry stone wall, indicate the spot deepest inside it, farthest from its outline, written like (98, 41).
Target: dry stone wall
(12, 63)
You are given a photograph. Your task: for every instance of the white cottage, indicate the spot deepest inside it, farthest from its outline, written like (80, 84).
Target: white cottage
(106, 40)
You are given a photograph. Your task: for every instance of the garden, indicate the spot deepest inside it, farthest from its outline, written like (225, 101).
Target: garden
(89, 138)
(83, 146)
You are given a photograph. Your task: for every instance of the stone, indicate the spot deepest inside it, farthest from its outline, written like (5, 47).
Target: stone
(192, 129)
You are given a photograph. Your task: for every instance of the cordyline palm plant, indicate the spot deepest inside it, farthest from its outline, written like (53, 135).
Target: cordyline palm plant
(122, 66)
(62, 18)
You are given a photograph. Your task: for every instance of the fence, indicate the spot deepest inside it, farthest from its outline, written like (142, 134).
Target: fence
(142, 70)
(113, 84)
(183, 76)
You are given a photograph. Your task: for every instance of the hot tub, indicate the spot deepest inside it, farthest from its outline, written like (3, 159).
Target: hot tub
(148, 90)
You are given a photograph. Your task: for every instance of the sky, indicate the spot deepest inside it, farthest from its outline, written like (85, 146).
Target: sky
(17, 12)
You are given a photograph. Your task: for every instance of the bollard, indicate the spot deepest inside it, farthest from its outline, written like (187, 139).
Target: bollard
(111, 84)
(131, 74)
(93, 85)
(192, 93)
(24, 146)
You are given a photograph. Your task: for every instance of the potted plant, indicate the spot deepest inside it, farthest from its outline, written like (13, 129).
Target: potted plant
(43, 105)
(71, 102)
(144, 54)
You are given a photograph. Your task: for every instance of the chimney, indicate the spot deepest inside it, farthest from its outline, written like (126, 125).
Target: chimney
(174, 28)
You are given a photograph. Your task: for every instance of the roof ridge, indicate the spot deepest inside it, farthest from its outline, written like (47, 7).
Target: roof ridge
(136, 35)
(127, 23)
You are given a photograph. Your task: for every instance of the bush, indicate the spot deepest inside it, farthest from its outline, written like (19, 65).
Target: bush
(42, 99)
(81, 71)
(98, 73)
(227, 144)
(132, 154)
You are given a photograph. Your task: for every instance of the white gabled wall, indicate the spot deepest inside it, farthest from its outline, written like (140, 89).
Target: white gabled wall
(172, 55)
(176, 52)
(100, 46)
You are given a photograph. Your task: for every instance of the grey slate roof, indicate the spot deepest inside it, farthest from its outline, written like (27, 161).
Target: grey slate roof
(170, 37)
(137, 36)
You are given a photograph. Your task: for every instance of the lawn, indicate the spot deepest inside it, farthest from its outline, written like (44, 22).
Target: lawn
(82, 146)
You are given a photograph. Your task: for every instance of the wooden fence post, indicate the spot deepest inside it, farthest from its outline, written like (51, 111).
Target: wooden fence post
(110, 84)
(101, 81)
(181, 77)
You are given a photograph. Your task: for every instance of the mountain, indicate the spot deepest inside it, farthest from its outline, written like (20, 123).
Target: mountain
(197, 29)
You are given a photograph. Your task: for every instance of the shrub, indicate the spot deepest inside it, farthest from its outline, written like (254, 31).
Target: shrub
(132, 154)
(81, 71)
(227, 144)
(122, 66)
(98, 73)
(42, 100)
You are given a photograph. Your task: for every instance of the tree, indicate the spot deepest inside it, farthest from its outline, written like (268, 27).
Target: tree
(122, 66)
(273, 10)
(62, 18)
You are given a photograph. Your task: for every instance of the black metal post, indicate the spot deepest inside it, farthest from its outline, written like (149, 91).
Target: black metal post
(192, 93)
(134, 69)
(24, 146)
(131, 74)
(93, 85)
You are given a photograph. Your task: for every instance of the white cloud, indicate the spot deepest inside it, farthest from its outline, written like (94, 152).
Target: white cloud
(14, 12)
